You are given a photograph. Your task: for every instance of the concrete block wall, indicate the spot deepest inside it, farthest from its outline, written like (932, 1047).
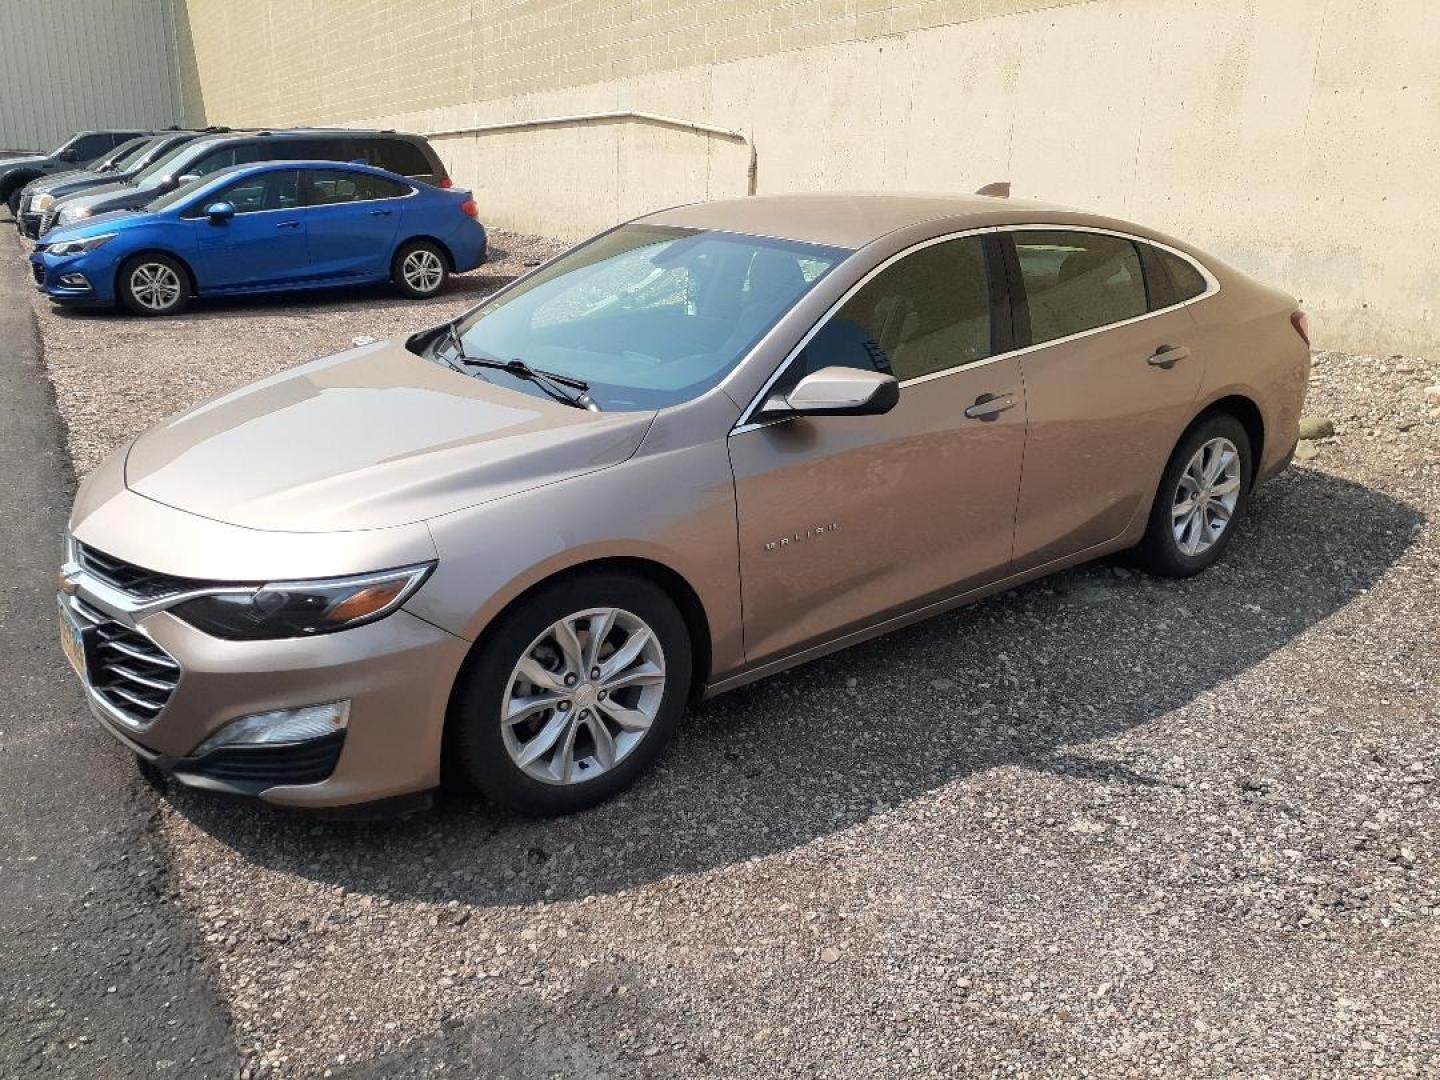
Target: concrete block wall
(1299, 139)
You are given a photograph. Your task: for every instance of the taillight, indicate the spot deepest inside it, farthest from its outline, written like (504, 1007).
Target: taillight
(469, 209)
(446, 182)
(1301, 322)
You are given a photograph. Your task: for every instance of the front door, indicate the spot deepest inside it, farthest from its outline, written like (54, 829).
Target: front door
(843, 520)
(263, 244)
(1108, 392)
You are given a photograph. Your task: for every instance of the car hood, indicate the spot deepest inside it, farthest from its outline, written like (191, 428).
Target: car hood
(74, 176)
(94, 226)
(22, 161)
(369, 438)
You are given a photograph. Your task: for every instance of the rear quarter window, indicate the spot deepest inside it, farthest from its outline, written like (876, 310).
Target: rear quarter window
(397, 156)
(1187, 281)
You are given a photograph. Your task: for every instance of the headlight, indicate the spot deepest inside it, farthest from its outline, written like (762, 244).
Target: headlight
(43, 202)
(74, 213)
(301, 608)
(77, 247)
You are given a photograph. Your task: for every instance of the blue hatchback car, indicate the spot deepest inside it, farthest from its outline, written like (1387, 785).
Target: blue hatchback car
(269, 227)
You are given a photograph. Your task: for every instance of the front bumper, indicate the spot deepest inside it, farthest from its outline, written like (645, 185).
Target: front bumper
(395, 673)
(88, 277)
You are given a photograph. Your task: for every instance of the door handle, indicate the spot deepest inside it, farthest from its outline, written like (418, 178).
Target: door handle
(379, 213)
(287, 225)
(1168, 356)
(990, 406)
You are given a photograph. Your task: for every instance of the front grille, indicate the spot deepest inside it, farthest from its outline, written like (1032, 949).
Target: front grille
(255, 768)
(29, 224)
(130, 579)
(134, 675)
(47, 222)
(25, 201)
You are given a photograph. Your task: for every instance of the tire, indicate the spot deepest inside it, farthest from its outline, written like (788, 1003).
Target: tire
(13, 202)
(1206, 531)
(153, 284)
(484, 753)
(420, 270)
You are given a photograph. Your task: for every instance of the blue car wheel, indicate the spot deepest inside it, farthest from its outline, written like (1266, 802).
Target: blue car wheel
(154, 284)
(420, 269)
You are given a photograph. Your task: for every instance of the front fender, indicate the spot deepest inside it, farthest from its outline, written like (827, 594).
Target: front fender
(674, 508)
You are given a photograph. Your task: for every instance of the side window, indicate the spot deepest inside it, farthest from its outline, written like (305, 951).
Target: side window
(1187, 281)
(1078, 281)
(330, 186)
(928, 312)
(89, 147)
(334, 149)
(396, 155)
(278, 190)
(377, 187)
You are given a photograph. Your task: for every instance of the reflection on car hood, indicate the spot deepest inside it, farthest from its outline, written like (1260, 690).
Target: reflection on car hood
(94, 226)
(373, 437)
(74, 176)
(25, 159)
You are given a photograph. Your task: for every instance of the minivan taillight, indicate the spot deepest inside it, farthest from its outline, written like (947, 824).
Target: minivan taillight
(1301, 322)
(469, 209)
(446, 182)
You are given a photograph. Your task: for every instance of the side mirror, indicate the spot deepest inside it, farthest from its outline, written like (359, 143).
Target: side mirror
(220, 211)
(837, 391)
(69, 154)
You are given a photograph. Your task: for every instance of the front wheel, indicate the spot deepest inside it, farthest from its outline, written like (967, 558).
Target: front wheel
(572, 695)
(1204, 492)
(420, 270)
(13, 202)
(154, 285)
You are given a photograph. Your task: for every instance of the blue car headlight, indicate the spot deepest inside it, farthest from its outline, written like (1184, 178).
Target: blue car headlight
(79, 247)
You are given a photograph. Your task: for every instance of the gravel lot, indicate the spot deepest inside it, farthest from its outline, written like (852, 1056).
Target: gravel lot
(1103, 825)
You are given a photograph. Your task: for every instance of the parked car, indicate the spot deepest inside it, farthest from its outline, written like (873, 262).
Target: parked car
(265, 228)
(408, 155)
(696, 450)
(76, 152)
(37, 199)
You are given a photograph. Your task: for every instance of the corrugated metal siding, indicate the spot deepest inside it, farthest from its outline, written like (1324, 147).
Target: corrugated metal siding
(66, 65)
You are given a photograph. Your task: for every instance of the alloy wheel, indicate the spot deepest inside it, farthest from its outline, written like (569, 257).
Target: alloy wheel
(155, 286)
(583, 696)
(1205, 498)
(422, 270)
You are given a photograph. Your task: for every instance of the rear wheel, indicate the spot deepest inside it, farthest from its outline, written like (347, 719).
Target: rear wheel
(420, 270)
(154, 285)
(1204, 492)
(572, 695)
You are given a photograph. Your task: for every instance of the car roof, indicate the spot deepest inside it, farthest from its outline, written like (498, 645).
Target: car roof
(852, 220)
(314, 163)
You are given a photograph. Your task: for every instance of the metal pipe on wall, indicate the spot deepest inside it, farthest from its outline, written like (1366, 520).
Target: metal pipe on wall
(621, 116)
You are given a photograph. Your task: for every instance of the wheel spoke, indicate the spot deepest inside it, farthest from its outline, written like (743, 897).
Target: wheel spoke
(629, 719)
(543, 740)
(646, 674)
(625, 655)
(600, 627)
(604, 741)
(536, 673)
(569, 642)
(1225, 487)
(521, 707)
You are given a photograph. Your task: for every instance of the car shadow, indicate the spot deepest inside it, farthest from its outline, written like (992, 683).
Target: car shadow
(1026, 679)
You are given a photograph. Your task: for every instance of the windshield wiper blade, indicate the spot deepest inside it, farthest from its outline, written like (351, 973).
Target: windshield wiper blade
(557, 386)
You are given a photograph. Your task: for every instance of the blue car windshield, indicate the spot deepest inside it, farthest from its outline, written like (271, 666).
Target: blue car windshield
(647, 315)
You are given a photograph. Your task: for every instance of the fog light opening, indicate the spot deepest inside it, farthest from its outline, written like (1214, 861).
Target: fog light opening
(280, 726)
(74, 281)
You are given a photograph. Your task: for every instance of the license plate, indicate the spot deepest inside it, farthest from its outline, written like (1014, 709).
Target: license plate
(72, 642)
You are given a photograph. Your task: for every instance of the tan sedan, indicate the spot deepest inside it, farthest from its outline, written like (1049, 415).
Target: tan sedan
(695, 450)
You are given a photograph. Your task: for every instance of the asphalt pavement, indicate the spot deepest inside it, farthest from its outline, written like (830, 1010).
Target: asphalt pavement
(98, 976)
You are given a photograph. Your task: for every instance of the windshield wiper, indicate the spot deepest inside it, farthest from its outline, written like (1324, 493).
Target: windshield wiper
(558, 387)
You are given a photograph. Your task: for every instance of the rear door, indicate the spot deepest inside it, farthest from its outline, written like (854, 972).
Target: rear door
(1110, 384)
(263, 244)
(351, 222)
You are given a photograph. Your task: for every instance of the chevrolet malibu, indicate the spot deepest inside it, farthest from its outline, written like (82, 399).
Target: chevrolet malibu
(698, 449)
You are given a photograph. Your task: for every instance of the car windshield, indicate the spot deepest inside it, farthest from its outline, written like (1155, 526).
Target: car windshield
(127, 153)
(154, 174)
(179, 194)
(648, 316)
